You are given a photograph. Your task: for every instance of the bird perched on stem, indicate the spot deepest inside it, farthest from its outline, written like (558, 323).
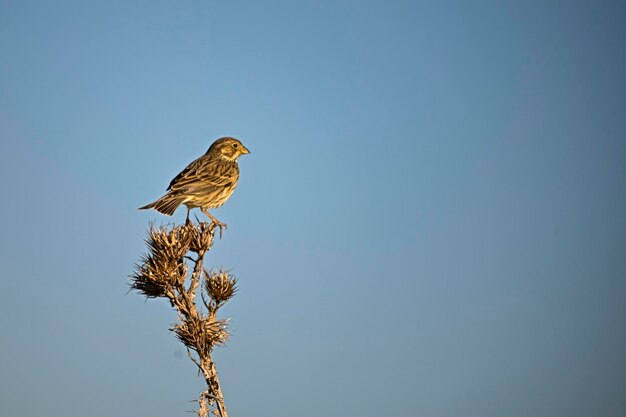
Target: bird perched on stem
(206, 183)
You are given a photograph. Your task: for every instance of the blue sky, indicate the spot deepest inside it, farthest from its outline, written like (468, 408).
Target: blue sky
(431, 221)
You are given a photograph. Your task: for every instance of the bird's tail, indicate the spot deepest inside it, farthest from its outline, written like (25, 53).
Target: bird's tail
(166, 204)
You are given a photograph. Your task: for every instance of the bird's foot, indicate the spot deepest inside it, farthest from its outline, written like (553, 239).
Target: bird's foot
(215, 221)
(220, 225)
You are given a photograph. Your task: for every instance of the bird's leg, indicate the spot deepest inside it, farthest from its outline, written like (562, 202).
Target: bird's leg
(215, 221)
(188, 210)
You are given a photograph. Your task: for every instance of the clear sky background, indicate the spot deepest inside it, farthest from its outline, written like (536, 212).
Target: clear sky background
(432, 221)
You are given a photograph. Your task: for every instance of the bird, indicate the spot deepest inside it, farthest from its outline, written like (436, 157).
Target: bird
(206, 183)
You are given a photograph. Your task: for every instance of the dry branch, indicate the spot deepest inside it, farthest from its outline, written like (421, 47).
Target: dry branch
(164, 272)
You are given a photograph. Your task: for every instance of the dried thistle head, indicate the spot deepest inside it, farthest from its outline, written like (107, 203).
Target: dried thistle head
(172, 244)
(155, 276)
(201, 333)
(164, 265)
(201, 236)
(219, 285)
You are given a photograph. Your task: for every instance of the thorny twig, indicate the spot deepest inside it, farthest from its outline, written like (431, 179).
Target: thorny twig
(163, 272)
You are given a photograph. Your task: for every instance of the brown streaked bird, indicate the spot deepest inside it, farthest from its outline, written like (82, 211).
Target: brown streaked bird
(206, 183)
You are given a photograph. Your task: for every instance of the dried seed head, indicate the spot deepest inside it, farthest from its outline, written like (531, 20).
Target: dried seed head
(219, 285)
(201, 236)
(150, 288)
(156, 275)
(171, 244)
(164, 266)
(201, 333)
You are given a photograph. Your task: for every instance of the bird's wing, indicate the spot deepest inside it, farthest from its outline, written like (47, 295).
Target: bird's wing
(185, 174)
(204, 175)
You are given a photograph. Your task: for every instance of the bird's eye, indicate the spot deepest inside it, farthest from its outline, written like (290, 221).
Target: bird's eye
(234, 145)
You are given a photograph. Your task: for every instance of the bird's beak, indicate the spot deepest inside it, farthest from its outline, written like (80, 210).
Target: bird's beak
(244, 150)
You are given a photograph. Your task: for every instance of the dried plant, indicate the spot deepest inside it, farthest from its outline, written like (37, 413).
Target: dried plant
(165, 272)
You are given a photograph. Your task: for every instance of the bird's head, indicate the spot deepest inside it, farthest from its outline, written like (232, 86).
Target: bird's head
(228, 148)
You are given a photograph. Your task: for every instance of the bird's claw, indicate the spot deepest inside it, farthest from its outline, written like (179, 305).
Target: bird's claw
(221, 226)
(215, 221)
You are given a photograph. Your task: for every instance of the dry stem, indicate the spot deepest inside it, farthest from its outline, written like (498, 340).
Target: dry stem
(163, 273)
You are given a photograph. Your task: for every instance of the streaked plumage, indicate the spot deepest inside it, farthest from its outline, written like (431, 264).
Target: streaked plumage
(206, 183)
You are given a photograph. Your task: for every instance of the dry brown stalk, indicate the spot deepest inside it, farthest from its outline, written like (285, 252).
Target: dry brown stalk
(164, 272)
